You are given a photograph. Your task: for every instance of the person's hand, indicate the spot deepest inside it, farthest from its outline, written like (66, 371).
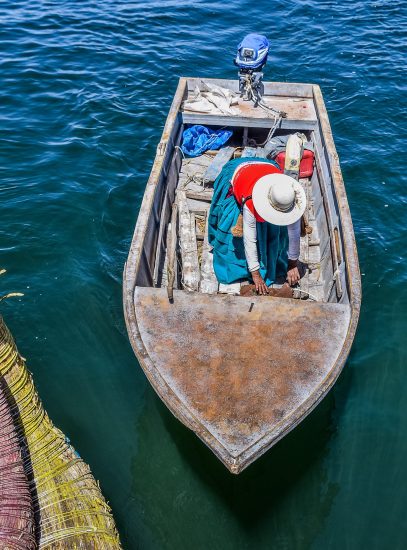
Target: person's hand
(261, 287)
(293, 274)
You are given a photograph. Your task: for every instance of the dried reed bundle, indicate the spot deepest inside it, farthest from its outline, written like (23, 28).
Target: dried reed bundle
(16, 512)
(69, 508)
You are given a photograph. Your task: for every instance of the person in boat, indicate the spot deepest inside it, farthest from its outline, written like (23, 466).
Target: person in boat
(254, 224)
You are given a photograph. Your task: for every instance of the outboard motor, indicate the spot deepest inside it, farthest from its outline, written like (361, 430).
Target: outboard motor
(251, 57)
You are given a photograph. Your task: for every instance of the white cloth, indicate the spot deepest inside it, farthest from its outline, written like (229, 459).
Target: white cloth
(250, 239)
(209, 98)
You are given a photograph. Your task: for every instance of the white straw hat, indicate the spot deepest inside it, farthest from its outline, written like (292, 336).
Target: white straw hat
(279, 199)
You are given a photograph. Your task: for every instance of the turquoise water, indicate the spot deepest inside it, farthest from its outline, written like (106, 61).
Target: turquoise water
(85, 88)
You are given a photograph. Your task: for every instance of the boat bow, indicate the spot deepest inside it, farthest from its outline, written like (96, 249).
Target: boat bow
(240, 372)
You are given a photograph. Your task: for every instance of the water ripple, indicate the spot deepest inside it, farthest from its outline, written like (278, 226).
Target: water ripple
(85, 91)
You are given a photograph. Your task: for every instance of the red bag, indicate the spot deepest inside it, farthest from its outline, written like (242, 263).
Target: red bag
(306, 164)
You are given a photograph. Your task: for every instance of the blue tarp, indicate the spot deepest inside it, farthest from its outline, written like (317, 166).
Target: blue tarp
(198, 139)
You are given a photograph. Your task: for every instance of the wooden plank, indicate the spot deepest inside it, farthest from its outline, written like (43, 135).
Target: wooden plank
(164, 213)
(201, 160)
(249, 152)
(243, 121)
(215, 168)
(200, 220)
(309, 250)
(194, 187)
(163, 276)
(172, 252)
(284, 89)
(316, 191)
(161, 244)
(193, 170)
(321, 229)
(309, 256)
(327, 275)
(200, 196)
(314, 291)
(188, 245)
(209, 283)
(330, 210)
(353, 280)
(300, 110)
(233, 288)
(245, 135)
(198, 206)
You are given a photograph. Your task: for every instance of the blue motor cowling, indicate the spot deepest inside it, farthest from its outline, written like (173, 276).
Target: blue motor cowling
(251, 57)
(252, 52)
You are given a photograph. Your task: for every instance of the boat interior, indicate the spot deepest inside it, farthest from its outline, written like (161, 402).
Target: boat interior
(189, 182)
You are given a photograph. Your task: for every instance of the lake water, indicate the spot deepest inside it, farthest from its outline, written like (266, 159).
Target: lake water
(85, 89)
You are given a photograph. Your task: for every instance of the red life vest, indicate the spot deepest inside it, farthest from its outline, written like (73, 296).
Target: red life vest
(244, 178)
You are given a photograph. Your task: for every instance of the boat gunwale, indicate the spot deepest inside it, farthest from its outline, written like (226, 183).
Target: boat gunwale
(165, 392)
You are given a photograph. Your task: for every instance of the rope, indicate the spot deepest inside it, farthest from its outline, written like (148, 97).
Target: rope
(178, 148)
(253, 143)
(259, 100)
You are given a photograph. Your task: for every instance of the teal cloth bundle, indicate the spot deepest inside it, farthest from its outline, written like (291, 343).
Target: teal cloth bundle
(229, 260)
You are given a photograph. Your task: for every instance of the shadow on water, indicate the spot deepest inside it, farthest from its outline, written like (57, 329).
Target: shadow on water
(254, 497)
(255, 491)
